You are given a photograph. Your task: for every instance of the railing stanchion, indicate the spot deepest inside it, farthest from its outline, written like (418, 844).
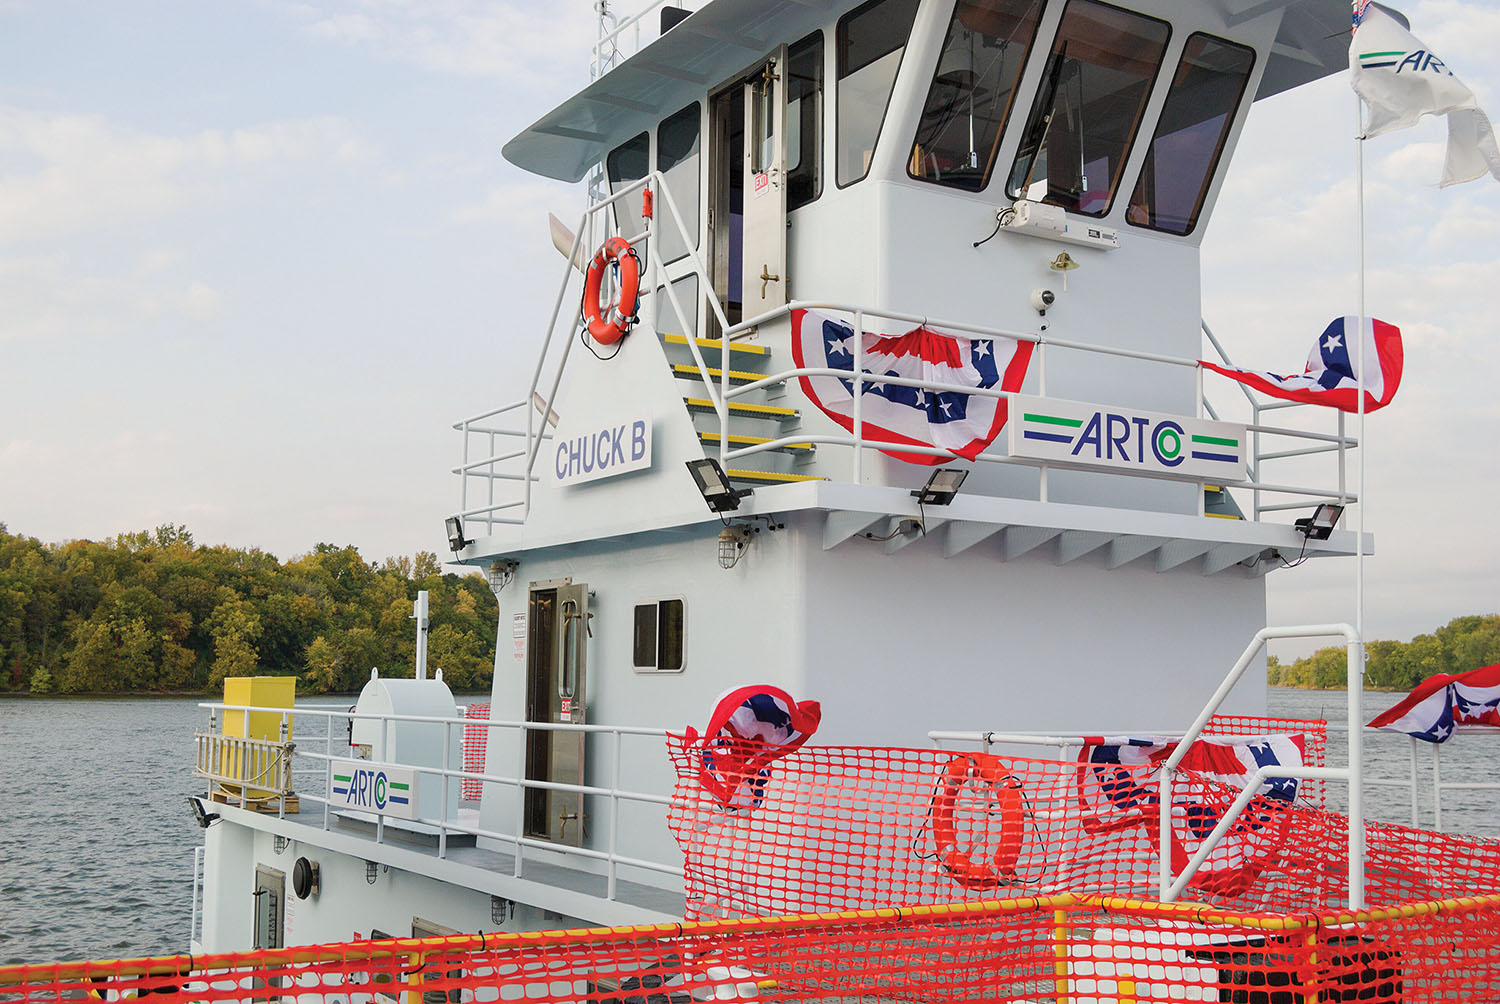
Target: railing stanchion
(1437, 787)
(520, 796)
(614, 814)
(443, 806)
(1415, 817)
(859, 396)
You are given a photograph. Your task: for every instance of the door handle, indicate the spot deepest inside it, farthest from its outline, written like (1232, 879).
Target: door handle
(766, 277)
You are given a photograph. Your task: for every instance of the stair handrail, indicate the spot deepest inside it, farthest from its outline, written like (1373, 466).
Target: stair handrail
(656, 181)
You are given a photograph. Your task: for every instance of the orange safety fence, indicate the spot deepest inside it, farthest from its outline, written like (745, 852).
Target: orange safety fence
(476, 742)
(849, 828)
(1061, 949)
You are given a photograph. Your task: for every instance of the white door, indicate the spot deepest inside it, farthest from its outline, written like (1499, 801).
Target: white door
(764, 277)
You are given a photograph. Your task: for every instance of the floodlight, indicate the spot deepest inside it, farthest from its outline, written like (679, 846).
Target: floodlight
(941, 487)
(456, 540)
(1320, 524)
(200, 814)
(720, 495)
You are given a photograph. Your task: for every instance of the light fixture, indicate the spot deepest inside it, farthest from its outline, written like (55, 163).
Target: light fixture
(941, 487)
(733, 540)
(280, 843)
(456, 541)
(499, 573)
(720, 495)
(203, 817)
(372, 872)
(1319, 526)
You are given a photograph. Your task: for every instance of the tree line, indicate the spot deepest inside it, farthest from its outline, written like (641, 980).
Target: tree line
(1464, 643)
(154, 612)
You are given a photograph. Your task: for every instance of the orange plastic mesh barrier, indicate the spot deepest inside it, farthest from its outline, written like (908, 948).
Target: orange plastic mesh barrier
(475, 744)
(1059, 950)
(847, 828)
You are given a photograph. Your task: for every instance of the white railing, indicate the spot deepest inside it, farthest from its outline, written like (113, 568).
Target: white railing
(612, 794)
(619, 39)
(504, 457)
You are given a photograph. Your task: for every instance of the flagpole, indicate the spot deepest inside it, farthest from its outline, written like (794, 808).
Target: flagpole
(1356, 668)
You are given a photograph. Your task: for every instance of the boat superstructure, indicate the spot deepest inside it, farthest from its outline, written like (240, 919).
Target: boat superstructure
(795, 179)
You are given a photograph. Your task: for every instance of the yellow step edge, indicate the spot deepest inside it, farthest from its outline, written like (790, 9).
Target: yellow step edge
(1222, 515)
(692, 373)
(713, 343)
(712, 438)
(769, 476)
(763, 410)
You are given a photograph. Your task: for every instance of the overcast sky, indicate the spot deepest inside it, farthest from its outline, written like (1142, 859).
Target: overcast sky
(255, 257)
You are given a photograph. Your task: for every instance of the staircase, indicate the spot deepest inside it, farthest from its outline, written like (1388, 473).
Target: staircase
(758, 419)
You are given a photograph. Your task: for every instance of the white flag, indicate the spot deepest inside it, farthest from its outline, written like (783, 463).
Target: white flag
(1401, 80)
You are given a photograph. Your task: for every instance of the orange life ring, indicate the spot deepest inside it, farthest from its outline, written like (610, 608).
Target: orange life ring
(1005, 795)
(608, 326)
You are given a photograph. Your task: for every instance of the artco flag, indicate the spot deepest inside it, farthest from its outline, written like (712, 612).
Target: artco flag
(1440, 704)
(1401, 80)
(1329, 379)
(911, 416)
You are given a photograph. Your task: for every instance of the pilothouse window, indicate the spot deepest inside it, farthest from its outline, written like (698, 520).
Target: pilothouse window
(972, 92)
(1180, 164)
(677, 159)
(804, 121)
(871, 41)
(629, 162)
(1094, 91)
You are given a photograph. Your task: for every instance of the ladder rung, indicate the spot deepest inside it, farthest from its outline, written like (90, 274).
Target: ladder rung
(713, 343)
(752, 410)
(692, 372)
(770, 477)
(712, 439)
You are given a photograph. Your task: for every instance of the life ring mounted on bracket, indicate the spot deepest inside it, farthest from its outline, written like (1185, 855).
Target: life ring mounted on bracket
(1006, 799)
(608, 325)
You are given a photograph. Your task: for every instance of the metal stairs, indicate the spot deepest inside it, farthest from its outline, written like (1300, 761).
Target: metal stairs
(747, 363)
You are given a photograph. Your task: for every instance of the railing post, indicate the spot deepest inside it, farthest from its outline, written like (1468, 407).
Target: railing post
(1354, 684)
(443, 806)
(614, 815)
(414, 978)
(1041, 389)
(1343, 491)
(520, 796)
(859, 396)
(1255, 449)
(283, 775)
(1060, 950)
(1437, 787)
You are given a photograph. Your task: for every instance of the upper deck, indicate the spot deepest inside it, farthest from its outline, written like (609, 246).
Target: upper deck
(1000, 171)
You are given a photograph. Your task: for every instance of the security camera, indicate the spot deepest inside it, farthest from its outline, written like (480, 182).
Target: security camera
(1041, 299)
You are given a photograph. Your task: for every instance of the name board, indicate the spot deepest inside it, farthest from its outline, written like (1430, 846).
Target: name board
(390, 791)
(603, 451)
(1124, 439)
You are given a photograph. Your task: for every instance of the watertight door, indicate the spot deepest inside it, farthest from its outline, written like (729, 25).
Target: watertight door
(556, 676)
(764, 278)
(270, 907)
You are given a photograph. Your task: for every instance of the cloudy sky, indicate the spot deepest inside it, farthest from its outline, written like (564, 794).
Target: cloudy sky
(256, 255)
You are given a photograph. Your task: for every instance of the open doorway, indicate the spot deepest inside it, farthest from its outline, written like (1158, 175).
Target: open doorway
(726, 203)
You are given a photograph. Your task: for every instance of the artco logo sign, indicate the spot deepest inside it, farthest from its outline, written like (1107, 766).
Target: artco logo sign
(1087, 435)
(390, 791)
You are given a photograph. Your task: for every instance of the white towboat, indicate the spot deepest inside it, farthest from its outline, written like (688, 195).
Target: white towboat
(909, 419)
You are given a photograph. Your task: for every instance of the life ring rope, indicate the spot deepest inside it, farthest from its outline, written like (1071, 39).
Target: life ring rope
(608, 324)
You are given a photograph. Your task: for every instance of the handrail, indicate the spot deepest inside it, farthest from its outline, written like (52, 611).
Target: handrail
(448, 775)
(1352, 774)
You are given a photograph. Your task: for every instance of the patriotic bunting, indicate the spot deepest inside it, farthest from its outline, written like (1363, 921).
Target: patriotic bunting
(750, 727)
(1442, 704)
(1329, 379)
(964, 424)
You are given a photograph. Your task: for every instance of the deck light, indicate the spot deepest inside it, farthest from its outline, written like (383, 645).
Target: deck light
(720, 495)
(202, 815)
(941, 487)
(1320, 524)
(456, 539)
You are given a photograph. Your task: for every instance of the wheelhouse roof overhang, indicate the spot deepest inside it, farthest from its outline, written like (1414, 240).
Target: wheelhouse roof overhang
(725, 36)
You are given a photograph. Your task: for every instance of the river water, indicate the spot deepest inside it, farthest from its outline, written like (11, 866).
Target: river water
(96, 841)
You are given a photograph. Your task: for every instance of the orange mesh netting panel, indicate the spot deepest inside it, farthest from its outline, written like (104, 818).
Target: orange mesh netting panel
(475, 743)
(835, 828)
(1060, 950)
